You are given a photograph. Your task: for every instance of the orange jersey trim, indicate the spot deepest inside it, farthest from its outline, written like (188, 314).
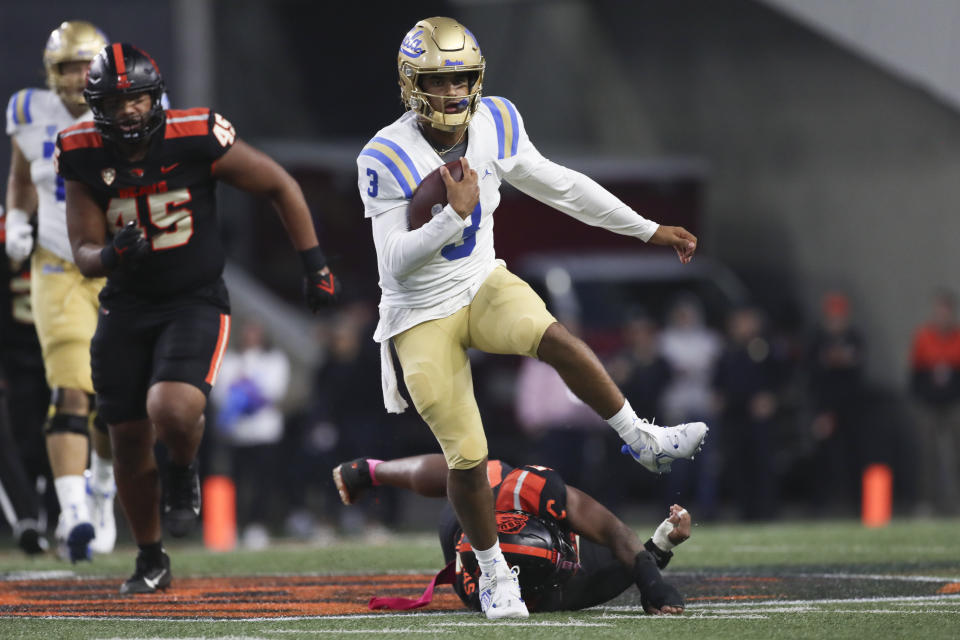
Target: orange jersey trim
(221, 348)
(521, 492)
(83, 135)
(182, 123)
(522, 549)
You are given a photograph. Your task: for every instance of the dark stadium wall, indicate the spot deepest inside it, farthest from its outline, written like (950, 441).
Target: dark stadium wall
(823, 170)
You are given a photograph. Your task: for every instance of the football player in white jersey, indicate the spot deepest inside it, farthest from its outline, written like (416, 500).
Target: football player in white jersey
(64, 302)
(443, 290)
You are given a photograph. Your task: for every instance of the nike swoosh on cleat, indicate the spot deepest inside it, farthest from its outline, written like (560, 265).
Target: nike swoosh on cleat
(153, 583)
(169, 168)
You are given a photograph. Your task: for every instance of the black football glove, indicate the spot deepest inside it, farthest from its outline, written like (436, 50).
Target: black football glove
(129, 246)
(320, 290)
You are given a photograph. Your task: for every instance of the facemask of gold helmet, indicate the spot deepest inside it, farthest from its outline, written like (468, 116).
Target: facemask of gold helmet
(72, 41)
(440, 45)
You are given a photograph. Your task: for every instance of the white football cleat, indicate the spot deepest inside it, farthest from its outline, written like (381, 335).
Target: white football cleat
(500, 595)
(100, 501)
(656, 447)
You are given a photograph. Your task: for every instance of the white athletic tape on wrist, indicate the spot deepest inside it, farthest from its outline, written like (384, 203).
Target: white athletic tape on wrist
(660, 535)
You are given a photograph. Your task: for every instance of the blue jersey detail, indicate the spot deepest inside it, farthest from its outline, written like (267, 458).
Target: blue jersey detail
(392, 167)
(403, 156)
(456, 251)
(515, 124)
(501, 126)
(60, 192)
(498, 122)
(390, 153)
(26, 106)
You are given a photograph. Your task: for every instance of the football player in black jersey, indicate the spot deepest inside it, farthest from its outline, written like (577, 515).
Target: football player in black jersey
(140, 186)
(571, 551)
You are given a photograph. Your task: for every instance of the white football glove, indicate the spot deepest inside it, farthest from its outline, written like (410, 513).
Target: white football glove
(19, 235)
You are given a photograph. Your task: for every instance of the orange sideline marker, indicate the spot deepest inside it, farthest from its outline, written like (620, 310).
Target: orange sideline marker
(877, 495)
(219, 513)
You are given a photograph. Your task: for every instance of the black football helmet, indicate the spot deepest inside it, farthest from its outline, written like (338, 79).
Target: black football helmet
(545, 555)
(123, 69)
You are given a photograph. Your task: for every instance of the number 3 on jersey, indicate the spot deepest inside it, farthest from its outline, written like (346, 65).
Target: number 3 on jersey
(468, 241)
(166, 212)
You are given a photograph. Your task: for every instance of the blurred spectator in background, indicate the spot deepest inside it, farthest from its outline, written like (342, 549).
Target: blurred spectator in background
(835, 377)
(565, 434)
(691, 349)
(643, 374)
(345, 416)
(935, 384)
(252, 383)
(746, 381)
(639, 368)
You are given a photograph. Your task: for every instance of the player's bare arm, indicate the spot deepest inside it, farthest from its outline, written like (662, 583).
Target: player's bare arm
(86, 226)
(253, 171)
(683, 242)
(463, 195)
(595, 522)
(21, 192)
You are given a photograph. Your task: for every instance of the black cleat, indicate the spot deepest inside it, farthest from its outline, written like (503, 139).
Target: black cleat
(31, 542)
(352, 478)
(148, 578)
(181, 498)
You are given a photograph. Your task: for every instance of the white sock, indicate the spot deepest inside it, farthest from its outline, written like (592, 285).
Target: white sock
(102, 471)
(488, 559)
(626, 423)
(72, 494)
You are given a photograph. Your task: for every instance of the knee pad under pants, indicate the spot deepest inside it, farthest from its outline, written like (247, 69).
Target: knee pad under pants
(66, 423)
(506, 316)
(437, 373)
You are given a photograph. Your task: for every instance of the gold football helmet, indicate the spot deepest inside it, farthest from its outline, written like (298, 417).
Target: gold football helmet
(439, 45)
(72, 41)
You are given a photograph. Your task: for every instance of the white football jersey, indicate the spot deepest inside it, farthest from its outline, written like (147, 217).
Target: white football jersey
(34, 116)
(394, 162)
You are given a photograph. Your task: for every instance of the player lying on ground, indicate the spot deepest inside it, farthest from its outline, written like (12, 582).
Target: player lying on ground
(567, 550)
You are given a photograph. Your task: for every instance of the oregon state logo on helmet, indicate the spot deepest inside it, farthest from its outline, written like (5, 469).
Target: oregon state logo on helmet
(439, 45)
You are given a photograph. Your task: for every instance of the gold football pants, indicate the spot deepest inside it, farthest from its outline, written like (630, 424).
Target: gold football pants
(506, 316)
(65, 308)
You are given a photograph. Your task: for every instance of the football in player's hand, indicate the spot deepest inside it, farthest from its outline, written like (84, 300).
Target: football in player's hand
(431, 191)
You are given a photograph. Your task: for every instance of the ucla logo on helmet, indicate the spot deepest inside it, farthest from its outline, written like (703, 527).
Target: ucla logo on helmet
(412, 44)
